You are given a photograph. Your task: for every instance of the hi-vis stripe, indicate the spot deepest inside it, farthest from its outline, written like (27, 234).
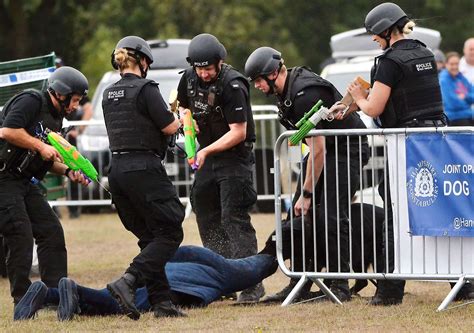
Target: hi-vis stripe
(27, 76)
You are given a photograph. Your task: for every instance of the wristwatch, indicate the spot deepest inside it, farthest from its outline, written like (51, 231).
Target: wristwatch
(307, 194)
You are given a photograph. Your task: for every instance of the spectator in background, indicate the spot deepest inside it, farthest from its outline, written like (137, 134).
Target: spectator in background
(58, 62)
(458, 93)
(466, 65)
(440, 59)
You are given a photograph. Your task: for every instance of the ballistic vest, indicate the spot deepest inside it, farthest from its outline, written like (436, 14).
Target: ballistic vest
(128, 128)
(300, 78)
(206, 105)
(418, 94)
(11, 156)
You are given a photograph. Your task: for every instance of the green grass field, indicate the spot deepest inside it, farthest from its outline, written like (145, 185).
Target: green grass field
(99, 250)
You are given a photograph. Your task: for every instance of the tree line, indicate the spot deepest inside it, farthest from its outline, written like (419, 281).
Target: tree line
(84, 33)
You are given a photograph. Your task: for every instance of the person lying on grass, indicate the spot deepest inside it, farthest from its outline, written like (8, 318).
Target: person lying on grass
(197, 277)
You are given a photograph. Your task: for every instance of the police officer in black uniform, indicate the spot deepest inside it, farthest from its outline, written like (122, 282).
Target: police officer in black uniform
(223, 191)
(297, 90)
(24, 160)
(139, 125)
(405, 93)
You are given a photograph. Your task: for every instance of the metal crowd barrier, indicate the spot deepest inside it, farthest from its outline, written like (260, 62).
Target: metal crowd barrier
(415, 257)
(267, 130)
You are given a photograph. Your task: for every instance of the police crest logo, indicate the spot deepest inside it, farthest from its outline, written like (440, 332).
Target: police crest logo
(422, 186)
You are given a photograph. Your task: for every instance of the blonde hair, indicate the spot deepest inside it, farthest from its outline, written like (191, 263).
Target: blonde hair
(408, 27)
(123, 59)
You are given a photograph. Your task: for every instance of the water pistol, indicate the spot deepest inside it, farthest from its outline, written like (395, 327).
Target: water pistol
(188, 130)
(309, 121)
(189, 138)
(71, 156)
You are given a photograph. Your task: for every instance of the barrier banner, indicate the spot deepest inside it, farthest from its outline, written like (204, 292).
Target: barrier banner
(440, 184)
(26, 76)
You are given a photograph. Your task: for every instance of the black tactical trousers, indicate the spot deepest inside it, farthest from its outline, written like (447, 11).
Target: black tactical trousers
(388, 288)
(149, 207)
(336, 197)
(222, 196)
(24, 215)
(337, 218)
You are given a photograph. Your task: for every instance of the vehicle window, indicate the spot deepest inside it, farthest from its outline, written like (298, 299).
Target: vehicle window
(169, 55)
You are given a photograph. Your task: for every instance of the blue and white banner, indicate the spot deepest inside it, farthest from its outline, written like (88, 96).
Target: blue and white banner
(26, 76)
(440, 184)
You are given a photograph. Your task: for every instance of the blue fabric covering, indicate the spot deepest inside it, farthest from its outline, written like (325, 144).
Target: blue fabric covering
(202, 273)
(193, 270)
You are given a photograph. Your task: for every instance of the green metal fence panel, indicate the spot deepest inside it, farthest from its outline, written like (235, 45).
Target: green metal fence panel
(17, 75)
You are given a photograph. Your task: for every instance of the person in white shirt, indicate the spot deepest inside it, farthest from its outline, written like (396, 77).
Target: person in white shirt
(466, 65)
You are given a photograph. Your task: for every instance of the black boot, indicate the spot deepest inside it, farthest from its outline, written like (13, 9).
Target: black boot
(389, 292)
(123, 290)
(280, 296)
(252, 294)
(167, 309)
(340, 289)
(229, 297)
(466, 293)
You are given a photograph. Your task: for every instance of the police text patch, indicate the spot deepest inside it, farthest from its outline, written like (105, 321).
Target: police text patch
(424, 67)
(116, 94)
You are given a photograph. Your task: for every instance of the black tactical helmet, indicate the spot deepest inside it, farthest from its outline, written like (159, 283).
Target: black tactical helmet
(382, 17)
(205, 50)
(67, 81)
(263, 61)
(134, 43)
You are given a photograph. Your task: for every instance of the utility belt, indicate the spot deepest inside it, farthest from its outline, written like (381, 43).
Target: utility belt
(241, 152)
(245, 148)
(122, 153)
(424, 123)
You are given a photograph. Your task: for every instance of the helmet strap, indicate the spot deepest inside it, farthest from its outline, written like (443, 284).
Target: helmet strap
(387, 37)
(142, 70)
(63, 104)
(138, 59)
(271, 83)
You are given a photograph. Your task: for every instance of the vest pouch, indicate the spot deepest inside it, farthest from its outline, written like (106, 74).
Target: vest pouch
(26, 164)
(11, 157)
